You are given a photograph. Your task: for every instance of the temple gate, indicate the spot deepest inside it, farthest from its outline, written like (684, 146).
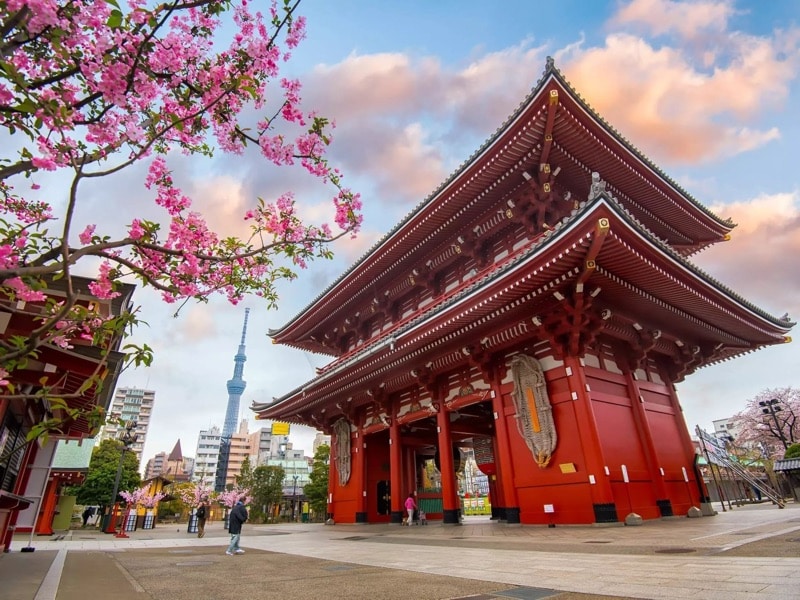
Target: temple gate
(537, 307)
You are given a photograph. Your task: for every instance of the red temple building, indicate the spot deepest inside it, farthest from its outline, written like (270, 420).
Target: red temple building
(538, 307)
(30, 481)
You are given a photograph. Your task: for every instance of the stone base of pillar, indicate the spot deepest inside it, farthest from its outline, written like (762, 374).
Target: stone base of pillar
(707, 510)
(451, 517)
(665, 506)
(396, 518)
(361, 517)
(512, 515)
(605, 513)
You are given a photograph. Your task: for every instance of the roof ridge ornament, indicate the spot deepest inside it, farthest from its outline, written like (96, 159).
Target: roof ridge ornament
(598, 186)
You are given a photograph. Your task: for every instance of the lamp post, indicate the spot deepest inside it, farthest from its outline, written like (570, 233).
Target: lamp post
(127, 436)
(294, 496)
(772, 408)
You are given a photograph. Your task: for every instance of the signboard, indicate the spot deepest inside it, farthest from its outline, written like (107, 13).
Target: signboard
(280, 428)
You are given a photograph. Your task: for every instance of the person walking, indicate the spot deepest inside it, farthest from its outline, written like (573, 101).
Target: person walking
(237, 518)
(411, 506)
(87, 514)
(202, 515)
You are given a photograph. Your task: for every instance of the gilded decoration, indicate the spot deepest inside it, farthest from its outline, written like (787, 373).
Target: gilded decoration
(341, 431)
(534, 412)
(416, 407)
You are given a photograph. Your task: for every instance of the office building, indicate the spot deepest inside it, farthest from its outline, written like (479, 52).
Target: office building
(131, 404)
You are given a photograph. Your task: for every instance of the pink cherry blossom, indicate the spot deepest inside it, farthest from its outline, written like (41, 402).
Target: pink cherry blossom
(89, 90)
(86, 235)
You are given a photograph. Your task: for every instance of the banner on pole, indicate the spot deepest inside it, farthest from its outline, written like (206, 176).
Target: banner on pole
(714, 447)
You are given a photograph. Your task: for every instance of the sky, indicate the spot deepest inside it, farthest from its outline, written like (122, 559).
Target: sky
(708, 90)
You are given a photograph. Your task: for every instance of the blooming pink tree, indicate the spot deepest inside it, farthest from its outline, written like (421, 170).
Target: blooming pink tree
(151, 501)
(771, 421)
(229, 498)
(195, 495)
(142, 496)
(90, 88)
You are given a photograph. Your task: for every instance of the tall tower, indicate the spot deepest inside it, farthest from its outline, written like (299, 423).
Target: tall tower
(236, 386)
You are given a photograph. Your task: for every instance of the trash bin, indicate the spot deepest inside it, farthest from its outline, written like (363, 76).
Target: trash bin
(304, 518)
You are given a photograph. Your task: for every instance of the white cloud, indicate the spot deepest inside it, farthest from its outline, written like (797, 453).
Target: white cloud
(688, 19)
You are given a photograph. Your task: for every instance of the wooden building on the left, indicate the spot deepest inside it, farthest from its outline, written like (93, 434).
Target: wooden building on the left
(29, 484)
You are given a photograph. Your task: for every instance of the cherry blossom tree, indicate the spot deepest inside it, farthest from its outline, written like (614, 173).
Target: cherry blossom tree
(229, 498)
(89, 88)
(197, 494)
(771, 420)
(142, 496)
(152, 500)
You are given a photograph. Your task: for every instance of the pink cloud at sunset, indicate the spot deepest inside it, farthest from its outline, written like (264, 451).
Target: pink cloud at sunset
(399, 159)
(689, 20)
(677, 112)
(351, 249)
(195, 325)
(760, 260)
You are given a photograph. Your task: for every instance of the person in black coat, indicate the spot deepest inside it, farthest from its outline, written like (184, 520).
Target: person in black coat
(87, 514)
(237, 517)
(202, 514)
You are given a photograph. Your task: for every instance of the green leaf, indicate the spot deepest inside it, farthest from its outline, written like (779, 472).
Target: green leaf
(26, 106)
(114, 19)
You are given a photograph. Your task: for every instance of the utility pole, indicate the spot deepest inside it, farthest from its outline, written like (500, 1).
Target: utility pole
(772, 408)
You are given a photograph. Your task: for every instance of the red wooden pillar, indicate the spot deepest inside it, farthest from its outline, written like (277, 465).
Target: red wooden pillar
(47, 508)
(605, 510)
(646, 436)
(395, 473)
(450, 502)
(508, 505)
(409, 470)
(359, 475)
(692, 474)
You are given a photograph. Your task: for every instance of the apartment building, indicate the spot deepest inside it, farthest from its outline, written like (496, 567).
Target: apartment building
(131, 404)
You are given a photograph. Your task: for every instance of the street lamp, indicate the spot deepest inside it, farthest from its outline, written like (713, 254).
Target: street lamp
(127, 436)
(294, 496)
(771, 407)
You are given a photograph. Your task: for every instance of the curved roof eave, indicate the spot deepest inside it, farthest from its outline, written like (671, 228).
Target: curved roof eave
(781, 325)
(550, 72)
(725, 225)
